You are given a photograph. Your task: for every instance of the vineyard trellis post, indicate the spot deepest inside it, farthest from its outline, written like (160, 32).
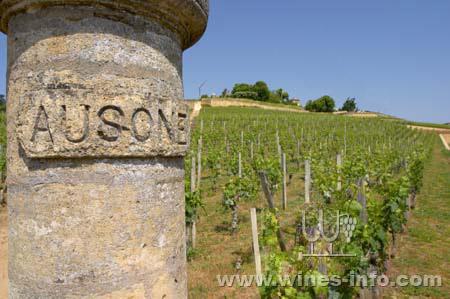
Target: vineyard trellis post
(194, 234)
(256, 251)
(345, 138)
(307, 181)
(362, 200)
(284, 196)
(227, 145)
(192, 227)
(408, 206)
(239, 165)
(269, 196)
(199, 162)
(339, 170)
(193, 171)
(277, 140)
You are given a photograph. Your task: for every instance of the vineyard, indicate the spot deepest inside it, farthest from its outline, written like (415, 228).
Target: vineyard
(322, 186)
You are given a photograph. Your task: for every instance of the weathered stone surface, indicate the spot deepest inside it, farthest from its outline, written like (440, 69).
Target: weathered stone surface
(105, 228)
(96, 197)
(187, 18)
(85, 124)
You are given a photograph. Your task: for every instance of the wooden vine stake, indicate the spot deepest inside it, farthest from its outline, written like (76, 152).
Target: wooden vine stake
(284, 182)
(240, 164)
(362, 200)
(193, 169)
(278, 144)
(339, 167)
(345, 139)
(227, 145)
(307, 181)
(269, 196)
(199, 162)
(255, 242)
(192, 230)
(194, 234)
(408, 206)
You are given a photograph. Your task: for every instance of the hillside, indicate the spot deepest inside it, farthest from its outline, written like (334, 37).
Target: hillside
(233, 102)
(386, 152)
(236, 143)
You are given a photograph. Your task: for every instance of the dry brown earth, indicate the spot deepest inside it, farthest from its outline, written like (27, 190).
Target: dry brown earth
(437, 130)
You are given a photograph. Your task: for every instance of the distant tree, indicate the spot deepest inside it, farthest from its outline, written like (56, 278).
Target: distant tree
(279, 92)
(224, 93)
(328, 104)
(279, 96)
(309, 105)
(322, 104)
(245, 95)
(275, 96)
(204, 96)
(349, 105)
(283, 95)
(241, 87)
(259, 91)
(262, 90)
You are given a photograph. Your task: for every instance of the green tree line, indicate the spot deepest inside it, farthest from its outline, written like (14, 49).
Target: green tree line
(259, 91)
(327, 104)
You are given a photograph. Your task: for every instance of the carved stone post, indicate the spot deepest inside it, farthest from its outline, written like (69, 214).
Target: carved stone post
(96, 138)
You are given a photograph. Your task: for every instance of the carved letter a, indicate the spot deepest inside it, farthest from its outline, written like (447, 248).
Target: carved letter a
(41, 124)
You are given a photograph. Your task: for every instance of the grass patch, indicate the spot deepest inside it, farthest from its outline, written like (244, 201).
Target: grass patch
(425, 248)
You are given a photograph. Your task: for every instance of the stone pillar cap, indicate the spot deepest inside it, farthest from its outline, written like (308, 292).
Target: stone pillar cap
(187, 18)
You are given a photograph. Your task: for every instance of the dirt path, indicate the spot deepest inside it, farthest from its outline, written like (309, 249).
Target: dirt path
(226, 102)
(445, 140)
(3, 252)
(425, 248)
(444, 134)
(437, 130)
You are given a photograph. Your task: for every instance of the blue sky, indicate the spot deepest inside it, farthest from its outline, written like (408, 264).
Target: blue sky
(392, 55)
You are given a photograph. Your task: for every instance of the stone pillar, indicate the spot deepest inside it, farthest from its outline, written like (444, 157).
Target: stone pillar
(96, 138)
